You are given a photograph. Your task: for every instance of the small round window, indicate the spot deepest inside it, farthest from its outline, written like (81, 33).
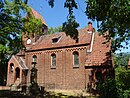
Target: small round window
(28, 41)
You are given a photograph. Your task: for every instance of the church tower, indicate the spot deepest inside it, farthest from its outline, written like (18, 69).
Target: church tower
(29, 40)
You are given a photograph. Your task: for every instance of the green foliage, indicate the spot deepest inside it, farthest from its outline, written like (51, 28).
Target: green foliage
(121, 59)
(11, 27)
(113, 18)
(126, 93)
(32, 25)
(70, 4)
(3, 62)
(122, 75)
(52, 30)
(3, 49)
(11, 24)
(120, 86)
(107, 89)
(122, 82)
(70, 27)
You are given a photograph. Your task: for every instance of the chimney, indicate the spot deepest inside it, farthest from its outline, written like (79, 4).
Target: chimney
(90, 28)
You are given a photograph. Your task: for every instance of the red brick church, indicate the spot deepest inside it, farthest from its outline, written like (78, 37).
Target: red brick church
(62, 62)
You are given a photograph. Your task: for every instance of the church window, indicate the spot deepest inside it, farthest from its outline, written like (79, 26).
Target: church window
(11, 67)
(34, 58)
(75, 59)
(17, 72)
(53, 60)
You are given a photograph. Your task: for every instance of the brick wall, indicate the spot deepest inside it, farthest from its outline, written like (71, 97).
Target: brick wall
(64, 76)
(11, 75)
(100, 56)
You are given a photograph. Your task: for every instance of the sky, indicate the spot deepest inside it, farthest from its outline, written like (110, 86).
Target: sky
(55, 16)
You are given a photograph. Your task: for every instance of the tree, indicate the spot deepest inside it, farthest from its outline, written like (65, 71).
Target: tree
(113, 18)
(110, 18)
(121, 59)
(10, 28)
(122, 78)
(107, 88)
(119, 86)
(52, 30)
(111, 15)
(122, 75)
(12, 24)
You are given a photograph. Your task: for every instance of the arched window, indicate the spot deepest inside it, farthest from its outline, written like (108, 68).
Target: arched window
(53, 60)
(34, 58)
(75, 58)
(17, 72)
(11, 67)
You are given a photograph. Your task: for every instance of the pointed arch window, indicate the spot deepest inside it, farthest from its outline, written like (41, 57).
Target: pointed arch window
(75, 59)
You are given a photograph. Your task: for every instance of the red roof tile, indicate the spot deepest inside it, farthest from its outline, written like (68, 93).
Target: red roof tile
(100, 52)
(21, 62)
(45, 41)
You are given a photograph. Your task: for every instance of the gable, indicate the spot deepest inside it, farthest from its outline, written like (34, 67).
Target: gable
(18, 62)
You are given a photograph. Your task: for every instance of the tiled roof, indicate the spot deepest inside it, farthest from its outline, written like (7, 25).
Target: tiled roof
(38, 16)
(21, 62)
(101, 53)
(45, 41)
